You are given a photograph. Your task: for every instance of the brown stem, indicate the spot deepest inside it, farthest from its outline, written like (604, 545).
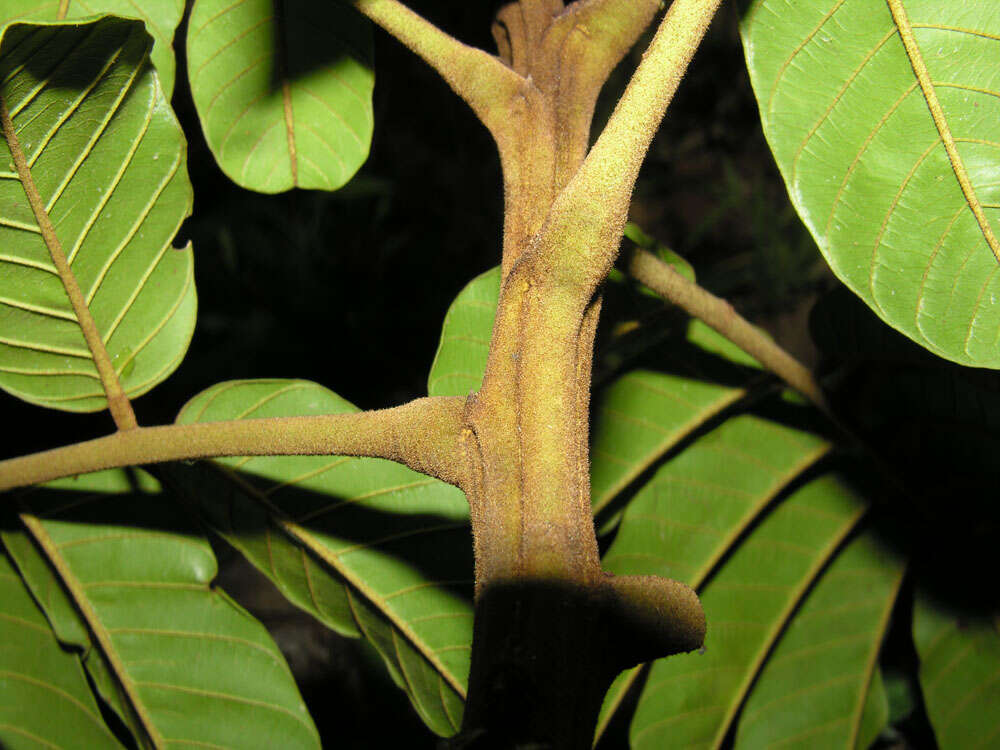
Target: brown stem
(719, 315)
(426, 434)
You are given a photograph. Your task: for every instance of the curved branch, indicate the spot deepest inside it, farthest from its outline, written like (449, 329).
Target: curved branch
(482, 80)
(426, 434)
(720, 315)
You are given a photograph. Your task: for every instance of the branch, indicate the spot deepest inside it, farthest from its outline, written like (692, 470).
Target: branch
(426, 434)
(482, 80)
(594, 37)
(720, 315)
(593, 206)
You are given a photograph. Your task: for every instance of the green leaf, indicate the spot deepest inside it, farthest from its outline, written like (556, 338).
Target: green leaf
(959, 674)
(694, 698)
(64, 618)
(193, 665)
(726, 479)
(458, 366)
(107, 158)
(815, 687)
(640, 415)
(283, 90)
(39, 680)
(733, 473)
(160, 16)
(894, 173)
(368, 547)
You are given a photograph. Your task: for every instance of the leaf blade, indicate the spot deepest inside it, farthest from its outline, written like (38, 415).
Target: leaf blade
(891, 170)
(366, 546)
(192, 665)
(298, 76)
(36, 676)
(959, 674)
(106, 159)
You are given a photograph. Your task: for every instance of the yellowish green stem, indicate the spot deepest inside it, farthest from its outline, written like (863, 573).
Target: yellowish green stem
(720, 315)
(425, 434)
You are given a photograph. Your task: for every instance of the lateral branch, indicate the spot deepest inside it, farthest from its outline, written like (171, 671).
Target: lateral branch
(482, 80)
(719, 315)
(425, 434)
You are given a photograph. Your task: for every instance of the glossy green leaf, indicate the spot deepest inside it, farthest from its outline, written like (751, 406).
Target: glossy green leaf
(40, 680)
(893, 173)
(693, 699)
(367, 546)
(108, 160)
(283, 90)
(160, 16)
(959, 674)
(814, 690)
(192, 665)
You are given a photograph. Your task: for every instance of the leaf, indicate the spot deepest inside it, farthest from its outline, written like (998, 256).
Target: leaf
(460, 360)
(694, 698)
(643, 413)
(734, 472)
(193, 665)
(107, 159)
(283, 90)
(959, 674)
(698, 504)
(367, 546)
(160, 16)
(815, 687)
(39, 680)
(884, 119)
(65, 620)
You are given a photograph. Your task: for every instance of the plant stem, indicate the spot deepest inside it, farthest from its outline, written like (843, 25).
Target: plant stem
(481, 79)
(592, 208)
(718, 314)
(426, 434)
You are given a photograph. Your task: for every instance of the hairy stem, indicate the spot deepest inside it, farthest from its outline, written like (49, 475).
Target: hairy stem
(720, 315)
(593, 206)
(483, 81)
(426, 434)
